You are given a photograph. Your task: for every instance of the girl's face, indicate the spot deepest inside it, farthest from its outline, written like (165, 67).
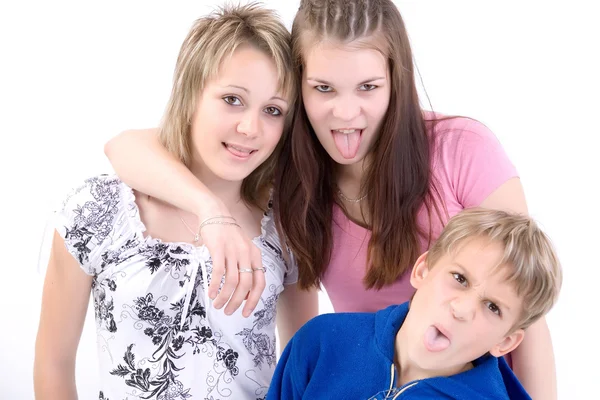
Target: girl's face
(346, 92)
(239, 117)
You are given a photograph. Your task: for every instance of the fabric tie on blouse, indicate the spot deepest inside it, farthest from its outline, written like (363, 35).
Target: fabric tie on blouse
(190, 288)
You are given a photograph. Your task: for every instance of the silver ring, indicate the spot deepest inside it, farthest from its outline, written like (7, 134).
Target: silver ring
(241, 270)
(263, 269)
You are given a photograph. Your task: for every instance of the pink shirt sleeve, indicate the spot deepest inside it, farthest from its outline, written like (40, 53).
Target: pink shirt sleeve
(474, 161)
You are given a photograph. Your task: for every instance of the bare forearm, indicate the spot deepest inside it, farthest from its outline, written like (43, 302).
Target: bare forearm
(52, 382)
(533, 362)
(143, 163)
(295, 307)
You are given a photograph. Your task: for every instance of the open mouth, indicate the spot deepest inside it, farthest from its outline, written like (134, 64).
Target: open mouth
(436, 339)
(239, 151)
(347, 141)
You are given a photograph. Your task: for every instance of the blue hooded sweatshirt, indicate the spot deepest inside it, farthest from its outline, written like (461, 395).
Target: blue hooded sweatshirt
(351, 356)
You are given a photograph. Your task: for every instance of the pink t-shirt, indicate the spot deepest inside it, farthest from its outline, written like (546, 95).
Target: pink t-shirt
(469, 164)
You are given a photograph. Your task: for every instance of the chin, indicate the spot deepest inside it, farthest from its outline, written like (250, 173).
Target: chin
(233, 176)
(428, 361)
(342, 161)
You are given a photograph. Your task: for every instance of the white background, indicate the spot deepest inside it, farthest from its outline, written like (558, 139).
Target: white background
(73, 75)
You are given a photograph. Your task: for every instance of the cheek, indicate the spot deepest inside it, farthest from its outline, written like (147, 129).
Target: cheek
(209, 117)
(273, 130)
(313, 104)
(379, 106)
(441, 291)
(431, 296)
(482, 337)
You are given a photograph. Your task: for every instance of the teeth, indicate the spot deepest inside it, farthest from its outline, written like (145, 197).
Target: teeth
(346, 131)
(238, 149)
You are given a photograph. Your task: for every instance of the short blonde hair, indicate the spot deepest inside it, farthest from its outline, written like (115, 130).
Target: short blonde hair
(535, 271)
(211, 40)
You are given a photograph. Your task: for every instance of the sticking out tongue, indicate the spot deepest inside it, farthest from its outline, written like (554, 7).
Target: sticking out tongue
(435, 340)
(347, 143)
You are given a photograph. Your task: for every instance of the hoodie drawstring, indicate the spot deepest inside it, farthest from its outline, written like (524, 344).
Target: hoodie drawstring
(392, 373)
(402, 390)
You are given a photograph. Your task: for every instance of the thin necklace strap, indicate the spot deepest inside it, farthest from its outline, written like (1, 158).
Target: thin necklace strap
(349, 199)
(196, 234)
(216, 217)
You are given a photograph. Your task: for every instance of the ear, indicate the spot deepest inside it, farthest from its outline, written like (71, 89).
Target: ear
(419, 271)
(508, 344)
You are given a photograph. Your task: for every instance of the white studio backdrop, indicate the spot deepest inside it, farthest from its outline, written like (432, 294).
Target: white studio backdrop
(74, 74)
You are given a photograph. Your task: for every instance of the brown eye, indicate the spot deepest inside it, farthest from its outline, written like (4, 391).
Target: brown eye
(274, 111)
(460, 279)
(494, 308)
(367, 87)
(232, 100)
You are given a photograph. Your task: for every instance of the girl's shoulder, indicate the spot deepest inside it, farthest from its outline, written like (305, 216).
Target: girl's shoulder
(94, 216)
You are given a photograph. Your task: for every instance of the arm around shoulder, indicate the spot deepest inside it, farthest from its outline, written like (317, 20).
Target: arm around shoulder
(533, 361)
(509, 196)
(142, 162)
(475, 162)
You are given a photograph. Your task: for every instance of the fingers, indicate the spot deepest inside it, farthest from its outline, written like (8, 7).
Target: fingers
(244, 283)
(218, 259)
(231, 282)
(258, 283)
(231, 252)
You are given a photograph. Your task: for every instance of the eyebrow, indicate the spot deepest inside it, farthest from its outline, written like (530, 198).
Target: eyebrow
(376, 78)
(248, 91)
(495, 301)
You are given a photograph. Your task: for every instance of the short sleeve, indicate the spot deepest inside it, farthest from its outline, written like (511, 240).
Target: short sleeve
(86, 220)
(275, 252)
(291, 271)
(475, 161)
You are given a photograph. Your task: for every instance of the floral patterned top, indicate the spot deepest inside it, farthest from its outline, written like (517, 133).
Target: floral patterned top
(158, 335)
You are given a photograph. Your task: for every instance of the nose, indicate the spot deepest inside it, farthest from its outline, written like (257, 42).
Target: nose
(346, 108)
(249, 125)
(464, 306)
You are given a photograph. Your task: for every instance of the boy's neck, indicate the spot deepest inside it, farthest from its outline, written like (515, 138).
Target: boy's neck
(407, 370)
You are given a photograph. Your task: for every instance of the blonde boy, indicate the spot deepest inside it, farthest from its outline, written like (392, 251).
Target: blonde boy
(489, 276)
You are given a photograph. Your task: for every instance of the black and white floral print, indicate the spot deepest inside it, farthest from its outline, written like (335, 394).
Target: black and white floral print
(258, 343)
(157, 336)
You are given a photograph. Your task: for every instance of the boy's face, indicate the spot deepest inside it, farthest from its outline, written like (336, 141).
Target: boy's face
(463, 308)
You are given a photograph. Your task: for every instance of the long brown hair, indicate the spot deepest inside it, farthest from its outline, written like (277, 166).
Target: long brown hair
(397, 177)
